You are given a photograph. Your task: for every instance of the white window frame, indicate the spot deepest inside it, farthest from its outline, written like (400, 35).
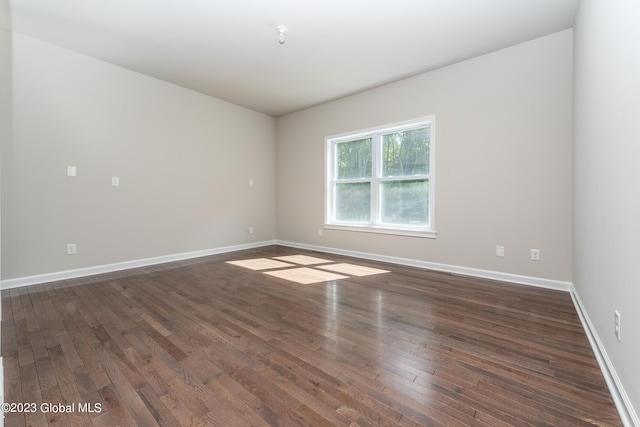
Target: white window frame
(375, 225)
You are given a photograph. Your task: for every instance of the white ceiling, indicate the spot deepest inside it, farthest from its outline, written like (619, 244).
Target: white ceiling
(229, 49)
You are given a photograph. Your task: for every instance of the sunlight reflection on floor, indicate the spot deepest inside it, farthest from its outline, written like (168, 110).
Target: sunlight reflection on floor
(305, 275)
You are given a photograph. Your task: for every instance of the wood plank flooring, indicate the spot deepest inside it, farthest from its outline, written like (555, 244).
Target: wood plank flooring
(204, 342)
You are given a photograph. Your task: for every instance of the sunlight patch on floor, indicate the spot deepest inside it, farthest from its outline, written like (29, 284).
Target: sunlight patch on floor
(352, 269)
(305, 275)
(260, 263)
(302, 259)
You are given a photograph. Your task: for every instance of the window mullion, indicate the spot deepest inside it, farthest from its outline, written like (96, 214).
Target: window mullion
(332, 178)
(375, 179)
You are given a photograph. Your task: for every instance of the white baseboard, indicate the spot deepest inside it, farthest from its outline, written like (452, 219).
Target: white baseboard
(108, 268)
(620, 398)
(447, 268)
(100, 269)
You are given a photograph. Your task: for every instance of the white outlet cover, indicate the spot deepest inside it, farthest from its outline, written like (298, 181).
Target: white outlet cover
(115, 181)
(71, 171)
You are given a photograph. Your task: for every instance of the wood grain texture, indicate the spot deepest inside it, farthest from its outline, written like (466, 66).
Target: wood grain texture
(205, 342)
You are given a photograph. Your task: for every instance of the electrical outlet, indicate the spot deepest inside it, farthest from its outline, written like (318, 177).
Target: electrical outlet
(250, 230)
(616, 324)
(115, 181)
(500, 251)
(535, 254)
(320, 232)
(71, 249)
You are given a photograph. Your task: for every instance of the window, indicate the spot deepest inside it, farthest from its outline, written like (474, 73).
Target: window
(382, 180)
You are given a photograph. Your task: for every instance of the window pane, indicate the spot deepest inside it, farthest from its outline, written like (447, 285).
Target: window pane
(405, 202)
(406, 153)
(353, 202)
(353, 159)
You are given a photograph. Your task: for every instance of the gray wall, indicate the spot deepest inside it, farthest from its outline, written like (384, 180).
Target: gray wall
(503, 161)
(184, 161)
(5, 114)
(606, 175)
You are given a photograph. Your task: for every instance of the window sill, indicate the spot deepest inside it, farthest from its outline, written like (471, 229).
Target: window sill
(429, 234)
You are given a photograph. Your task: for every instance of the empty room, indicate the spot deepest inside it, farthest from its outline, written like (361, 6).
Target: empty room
(320, 213)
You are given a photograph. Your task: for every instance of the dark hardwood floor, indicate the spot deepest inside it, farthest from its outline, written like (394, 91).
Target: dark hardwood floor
(206, 342)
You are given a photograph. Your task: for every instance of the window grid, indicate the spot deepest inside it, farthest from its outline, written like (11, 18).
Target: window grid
(377, 181)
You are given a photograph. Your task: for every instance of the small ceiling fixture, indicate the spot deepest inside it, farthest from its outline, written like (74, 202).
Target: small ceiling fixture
(281, 29)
